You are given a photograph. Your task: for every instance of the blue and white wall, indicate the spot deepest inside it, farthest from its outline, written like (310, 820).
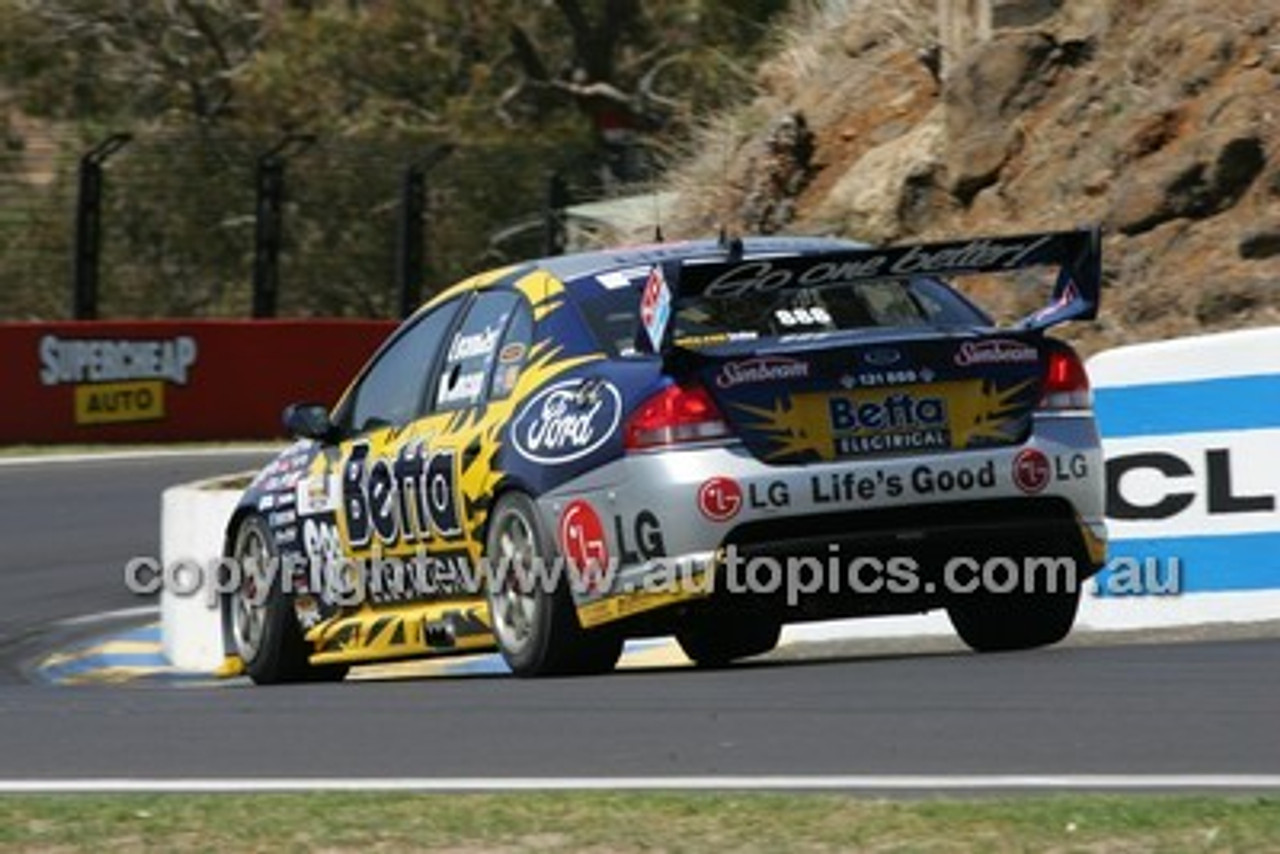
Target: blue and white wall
(1191, 435)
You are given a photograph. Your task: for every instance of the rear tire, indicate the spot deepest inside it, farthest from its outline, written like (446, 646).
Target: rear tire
(537, 630)
(991, 623)
(717, 642)
(267, 635)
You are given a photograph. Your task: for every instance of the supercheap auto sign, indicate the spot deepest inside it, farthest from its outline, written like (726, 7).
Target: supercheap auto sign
(117, 380)
(142, 381)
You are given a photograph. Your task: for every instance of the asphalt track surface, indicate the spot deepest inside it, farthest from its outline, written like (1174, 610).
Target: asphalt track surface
(66, 530)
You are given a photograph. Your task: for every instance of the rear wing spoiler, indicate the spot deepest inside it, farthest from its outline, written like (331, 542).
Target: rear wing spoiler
(1077, 254)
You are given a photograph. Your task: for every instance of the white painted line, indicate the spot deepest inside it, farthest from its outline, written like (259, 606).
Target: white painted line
(907, 782)
(141, 454)
(110, 616)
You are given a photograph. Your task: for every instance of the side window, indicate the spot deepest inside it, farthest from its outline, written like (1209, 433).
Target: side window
(473, 350)
(513, 353)
(391, 391)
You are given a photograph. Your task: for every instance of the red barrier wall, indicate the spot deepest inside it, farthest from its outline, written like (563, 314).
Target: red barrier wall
(172, 380)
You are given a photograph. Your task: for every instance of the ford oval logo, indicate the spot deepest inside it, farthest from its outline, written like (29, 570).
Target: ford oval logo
(881, 357)
(558, 426)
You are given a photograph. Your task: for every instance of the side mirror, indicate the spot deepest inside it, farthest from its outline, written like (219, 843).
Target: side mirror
(308, 421)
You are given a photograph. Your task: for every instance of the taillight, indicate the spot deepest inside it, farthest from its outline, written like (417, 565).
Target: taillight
(1065, 385)
(674, 415)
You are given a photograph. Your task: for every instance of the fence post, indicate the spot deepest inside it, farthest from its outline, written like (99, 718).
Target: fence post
(269, 222)
(556, 236)
(88, 236)
(411, 237)
(411, 242)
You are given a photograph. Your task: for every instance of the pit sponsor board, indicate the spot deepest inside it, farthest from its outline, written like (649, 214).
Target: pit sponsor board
(179, 380)
(117, 380)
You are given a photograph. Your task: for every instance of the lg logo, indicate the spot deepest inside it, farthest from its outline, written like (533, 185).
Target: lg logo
(720, 499)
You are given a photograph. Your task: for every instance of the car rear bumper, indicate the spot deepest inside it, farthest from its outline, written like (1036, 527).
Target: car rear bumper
(686, 515)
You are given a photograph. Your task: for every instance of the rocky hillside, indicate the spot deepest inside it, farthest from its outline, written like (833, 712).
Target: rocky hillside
(1158, 118)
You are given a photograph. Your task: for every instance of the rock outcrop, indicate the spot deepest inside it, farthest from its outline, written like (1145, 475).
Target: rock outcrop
(1159, 120)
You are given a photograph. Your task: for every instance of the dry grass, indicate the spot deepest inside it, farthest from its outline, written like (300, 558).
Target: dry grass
(824, 46)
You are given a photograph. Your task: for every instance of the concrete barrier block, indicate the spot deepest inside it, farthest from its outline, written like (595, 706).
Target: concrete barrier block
(193, 519)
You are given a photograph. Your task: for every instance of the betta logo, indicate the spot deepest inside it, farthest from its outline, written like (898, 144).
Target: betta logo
(899, 411)
(561, 424)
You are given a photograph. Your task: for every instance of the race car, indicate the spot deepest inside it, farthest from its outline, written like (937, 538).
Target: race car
(708, 439)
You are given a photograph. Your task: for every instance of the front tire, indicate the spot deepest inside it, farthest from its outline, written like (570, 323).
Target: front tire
(537, 629)
(264, 625)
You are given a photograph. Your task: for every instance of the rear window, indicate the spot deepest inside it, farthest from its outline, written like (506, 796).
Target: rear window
(613, 312)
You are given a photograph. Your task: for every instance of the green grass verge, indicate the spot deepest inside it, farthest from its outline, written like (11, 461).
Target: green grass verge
(623, 822)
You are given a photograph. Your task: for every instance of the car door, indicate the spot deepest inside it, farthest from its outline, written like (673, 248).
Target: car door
(411, 420)
(460, 425)
(378, 514)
